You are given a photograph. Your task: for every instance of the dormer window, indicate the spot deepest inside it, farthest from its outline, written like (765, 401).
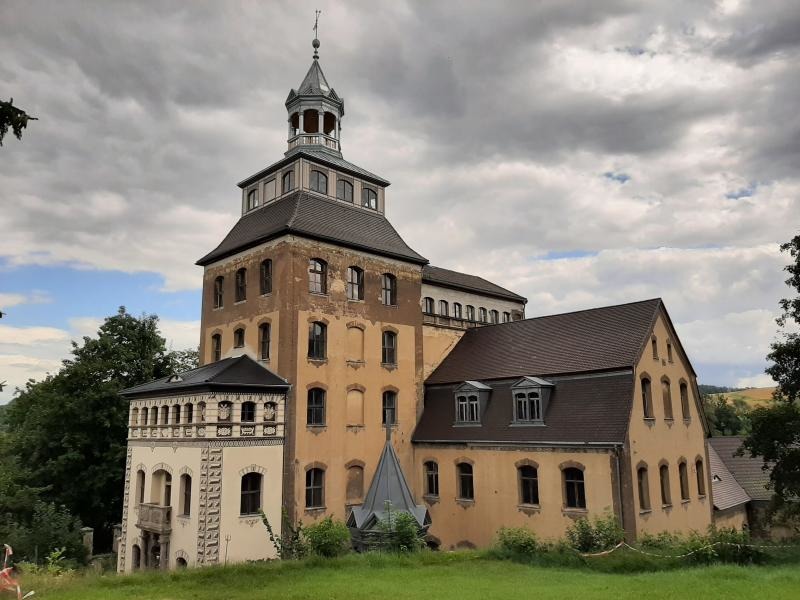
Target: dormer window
(468, 409)
(344, 190)
(369, 198)
(471, 398)
(252, 201)
(531, 395)
(319, 182)
(287, 183)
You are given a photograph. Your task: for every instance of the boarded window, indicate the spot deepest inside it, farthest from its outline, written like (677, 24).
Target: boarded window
(355, 344)
(355, 407)
(355, 484)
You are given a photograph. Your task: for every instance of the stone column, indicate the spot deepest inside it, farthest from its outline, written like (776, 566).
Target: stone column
(302, 128)
(321, 122)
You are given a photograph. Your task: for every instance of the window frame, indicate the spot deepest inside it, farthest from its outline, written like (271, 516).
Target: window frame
(506, 317)
(265, 276)
(247, 412)
(216, 347)
(238, 337)
(389, 408)
(315, 179)
(287, 182)
(483, 315)
(574, 482)
(250, 494)
(643, 488)
(317, 340)
(663, 479)
(389, 289)
(264, 340)
(315, 486)
(465, 476)
(342, 188)
(701, 478)
(369, 198)
(646, 385)
(430, 469)
(316, 399)
(428, 305)
(317, 276)
(458, 311)
(252, 200)
(666, 398)
(494, 317)
(240, 287)
(355, 283)
(219, 292)
(685, 408)
(389, 348)
(528, 485)
(444, 308)
(186, 495)
(683, 478)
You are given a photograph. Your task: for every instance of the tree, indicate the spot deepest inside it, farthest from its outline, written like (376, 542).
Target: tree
(14, 117)
(775, 432)
(70, 430)
(726, 417)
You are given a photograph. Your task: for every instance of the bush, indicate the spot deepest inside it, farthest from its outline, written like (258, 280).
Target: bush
(726, 545)
(401, 532)
(328, 538)
(602, 534)
(517, 540)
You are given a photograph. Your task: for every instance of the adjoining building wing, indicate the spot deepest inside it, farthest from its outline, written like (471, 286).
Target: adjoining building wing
(725, 489)
(748, 471)
(469, 283)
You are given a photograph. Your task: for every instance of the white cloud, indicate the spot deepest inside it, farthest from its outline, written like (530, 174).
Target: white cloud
(8, 300)
(756, 381)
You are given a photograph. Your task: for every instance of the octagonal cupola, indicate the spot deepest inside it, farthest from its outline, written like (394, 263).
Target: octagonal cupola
(315, 112)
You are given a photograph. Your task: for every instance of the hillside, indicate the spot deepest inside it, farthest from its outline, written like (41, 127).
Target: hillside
(753, 397)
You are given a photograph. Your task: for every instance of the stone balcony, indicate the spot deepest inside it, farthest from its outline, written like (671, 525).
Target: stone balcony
(219, 429)
(155, 518)
(314, 139)
(450, 322)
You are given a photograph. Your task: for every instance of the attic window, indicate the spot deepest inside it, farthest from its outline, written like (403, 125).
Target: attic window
(530, 396)
(174, 379)
(471, 398)
(716, 478)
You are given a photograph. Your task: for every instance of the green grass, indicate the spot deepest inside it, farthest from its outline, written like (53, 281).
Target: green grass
(463, 575)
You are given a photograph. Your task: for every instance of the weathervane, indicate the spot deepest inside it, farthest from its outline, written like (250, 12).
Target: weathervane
(315, 43)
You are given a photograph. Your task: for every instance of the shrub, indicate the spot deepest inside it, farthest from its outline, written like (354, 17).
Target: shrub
(517, 540)
(401, 531)
(602, 534)
(328, 538)
(291, 544)
(726, 545)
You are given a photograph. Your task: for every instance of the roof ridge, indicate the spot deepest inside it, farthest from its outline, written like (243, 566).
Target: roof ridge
(232, 359)
(596, 308)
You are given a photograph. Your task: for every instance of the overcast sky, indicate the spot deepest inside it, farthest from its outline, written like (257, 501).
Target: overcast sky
(579, 153)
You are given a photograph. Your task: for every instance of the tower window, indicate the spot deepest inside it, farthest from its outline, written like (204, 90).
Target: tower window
(216, 347)
(264, 331)
(506, 317)
(319, 182)
(389, 289)
(355, 283)
(238, 338)
(317, 276)
(219, 288)
(431, 478)
(287, 183)
(252, 201)
(344, 190)
(317, 342)
(528, 406)
(265, 277)
(494, 316)
(466, 491)
(389, 408)
(389, 348)
(251, 494)
(427, 306)
(241, 285)
(467, 409)
(269, 190)
(369, 198)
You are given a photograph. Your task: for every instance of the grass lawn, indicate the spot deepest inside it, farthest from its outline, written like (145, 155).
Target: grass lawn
(462, 576)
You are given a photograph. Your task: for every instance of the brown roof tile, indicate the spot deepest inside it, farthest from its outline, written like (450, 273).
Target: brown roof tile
(748, 471)
(469, 283)
(726, 491)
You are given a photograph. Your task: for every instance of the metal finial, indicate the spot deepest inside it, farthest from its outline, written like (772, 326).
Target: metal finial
(315, 43)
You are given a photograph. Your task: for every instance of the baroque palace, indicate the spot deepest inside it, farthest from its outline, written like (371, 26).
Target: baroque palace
(340, 369)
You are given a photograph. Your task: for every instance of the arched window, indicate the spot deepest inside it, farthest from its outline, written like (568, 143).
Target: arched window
(466, 491)
(251, 494)
(528, 406)
(315, 488)
(467, 409)
(355, 484)
(317, 342)
(241, 285)
(574, 489)
(265, 277)
(287, 182)
(315, 410)
(389, 289)
(683, 476)
(470, 312)
(355, 283)
(457, 311)
(176, 414)
(482, 315)
(647, 399)
(389, 348)
(248, 412)
(143, 417)
(188, 413)
(654, 347)
(216, 347)
(644, 488)
(427, 306)
(154, 415)
(238, 338)
(224, 411)
(666, 394)
(669, 351)
(186, 495)
(134, 417)
(161, 488)
(201, 412)
(140, 486)
(164, 415)
(506, 317)
(264, 332)
(431, 478)
(663, 476)
(317, 276)
(318, 182)
(685, 400)
(494, 316)
(219, 289)
(528, 484)
(701, 477)
(369, 198)
(389, 408)
(444, 308)
(252, 202)
(181, 563)
(344, 190)
(355, 407)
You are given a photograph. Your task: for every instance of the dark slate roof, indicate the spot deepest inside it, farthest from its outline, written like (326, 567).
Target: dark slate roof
(726, 491)
(580, 410)
(240, 372)
(314, 83)
(316, 217)
(469, 283)
(747, 470)
(330, 158)
(598, 339)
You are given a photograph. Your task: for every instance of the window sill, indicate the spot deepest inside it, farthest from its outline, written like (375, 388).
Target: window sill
(356, 364)
(701, 497)
(527, 424)
(574, 513)
(465, 502)
(430, 499)
(265, 295)
(470, 424)
(316, 428)
(218, 308)
(250, 515)
(529, 509)
(645, 511)
(238, 302)
(264, 360)
(314, 510)
(686, 501)
(687, 420)
(389, 366)
(238, 347)
(355, 428)
(356, 300)
(320, 294)
(666, 507)
(317, 361)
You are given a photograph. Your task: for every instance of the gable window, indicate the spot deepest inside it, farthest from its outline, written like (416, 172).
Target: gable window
(287, 183)
(466, 490)
(315, 488)
(317, 340)
(530, 396)
(683, 477)
(457, 311)
(186, 495)
(494, 316)
(574, 489)
(428, 306)
(252, 202)
(241, 285)
(647, 399)
(317, 276)
(319, 182)
(644, 488)
(654, 346)
(315, 412)
(528, 485)
(443, 308)
(685, 400)
(369, 198)
(482, 315)
(344, 190)
(669, 351)
(248, 412)
(431, 478)
(264, 332)
(238, 338)
(528, 406)
(265, 277)
(701, 478)
(506, 317)
(663, 475)
(389, 289)
(355, 283)
(251, 494)
(666, 393)
(389, 348)
(219, 288)
(470, 312)
(468, 409)
(389, 406)
(216, 347)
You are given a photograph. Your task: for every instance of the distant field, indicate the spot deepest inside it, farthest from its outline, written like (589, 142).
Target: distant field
(755, 397)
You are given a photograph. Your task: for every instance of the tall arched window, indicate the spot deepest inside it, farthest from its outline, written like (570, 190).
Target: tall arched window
(389, 408)
(466, 490)
(186, 495)
(574, 488)
(470, 312)
(201, 412)
(143, 417)
(666, 394)
(494, 316)
(252, 201)
(482, 315)
(317, 340)
(315, 410)
(317, 276)
(188, 412)
(654, 347)
(389, 348)
(164, 415)
(265, 277)
(644, 488)
(669, 351)
(701, 477)
(134, 417)
(315, 488)
(318, 182)
(344, 190)
(241, 285)
(248, 412)
(369, 198)
(161, 488)
(154, 415)
(355, 484)
(683, 476)
(216, 347)
(355, 283)
(264, 333)
(219, 289)
(287, 182)
(528, 484)
(389, 289)
(431, 478)
(663, 476)
(457, 311)
(251, 494)
(238, 338)
(685, 400)
(506, 317)
(176, 414)
(427, 306)
(444, 308)
(647, 398)
(140, 486)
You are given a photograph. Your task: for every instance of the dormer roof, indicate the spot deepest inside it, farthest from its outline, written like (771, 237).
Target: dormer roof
(474, 385)
(532, 382)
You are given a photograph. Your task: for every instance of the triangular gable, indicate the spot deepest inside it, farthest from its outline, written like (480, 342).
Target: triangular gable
(532, 382)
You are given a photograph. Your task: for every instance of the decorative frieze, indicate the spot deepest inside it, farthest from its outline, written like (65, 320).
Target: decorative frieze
(210, 505)
(123, 542)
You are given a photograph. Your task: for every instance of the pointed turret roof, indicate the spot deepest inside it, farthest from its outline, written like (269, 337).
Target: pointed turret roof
(314, 82)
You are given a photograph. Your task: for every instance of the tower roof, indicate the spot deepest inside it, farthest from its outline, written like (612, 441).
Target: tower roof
(314, 82)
